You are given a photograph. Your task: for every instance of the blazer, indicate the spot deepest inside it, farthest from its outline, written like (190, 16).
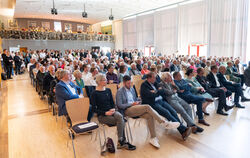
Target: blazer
(247, 76)
(203, 82)
(223, 80)
(212, 81)
(147, 96)
(63, 94)
(46, 82)
(168, 91)
(122, 98)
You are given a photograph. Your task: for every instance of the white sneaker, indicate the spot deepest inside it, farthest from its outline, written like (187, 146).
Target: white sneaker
(171, 125)
(155, 142)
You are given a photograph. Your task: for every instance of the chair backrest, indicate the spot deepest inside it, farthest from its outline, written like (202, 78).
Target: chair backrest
(113, 88)
(138, 86)
(84, 92)
(78, 110)
(136, 77)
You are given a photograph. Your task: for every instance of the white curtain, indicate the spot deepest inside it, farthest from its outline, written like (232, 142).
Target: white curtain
(229, 19)
(145, 31)
(129, 34)
(165, 32)
(192, 25)
(221, 24)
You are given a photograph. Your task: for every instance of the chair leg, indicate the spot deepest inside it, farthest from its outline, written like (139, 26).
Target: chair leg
(130, 133)
(126, 133)
(194, 113)
(72, 143)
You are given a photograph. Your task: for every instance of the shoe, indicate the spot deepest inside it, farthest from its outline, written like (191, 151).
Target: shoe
(186, 133)
(239, 106)
(222, 113)
(194, 129)
(228, 107)
(199, 129)
(209, 100)
(244, 99)
(171, 125)
(206, 113)
(125, 145)
(155, 142)
(203, 122)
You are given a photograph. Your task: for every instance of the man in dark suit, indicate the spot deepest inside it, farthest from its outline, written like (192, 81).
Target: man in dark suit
(151, 94)
(49, 76)
(9, 64)
(215, 92)
(174, 66)
(247, 75)
(232, 86)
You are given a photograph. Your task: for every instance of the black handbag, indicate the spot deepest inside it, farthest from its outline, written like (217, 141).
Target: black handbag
(110, 145)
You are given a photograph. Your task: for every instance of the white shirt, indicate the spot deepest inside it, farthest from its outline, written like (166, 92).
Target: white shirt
(216, 80)
(90, 80)
(73, 91)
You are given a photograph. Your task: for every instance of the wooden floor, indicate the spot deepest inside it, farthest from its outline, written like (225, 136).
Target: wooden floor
(28, 130)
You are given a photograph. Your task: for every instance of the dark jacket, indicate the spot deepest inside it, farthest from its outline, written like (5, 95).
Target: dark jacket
(223, 80)
(147, 96)
(203, 82)
(47, 80)
(212, 81)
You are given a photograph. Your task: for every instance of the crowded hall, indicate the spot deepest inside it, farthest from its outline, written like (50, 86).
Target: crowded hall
(124, 79)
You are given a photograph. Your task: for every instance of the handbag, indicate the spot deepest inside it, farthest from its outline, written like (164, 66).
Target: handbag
(110, 145)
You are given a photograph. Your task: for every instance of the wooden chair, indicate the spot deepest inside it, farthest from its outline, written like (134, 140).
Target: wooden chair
(78, 110)
(138, 86)
(136, 77)
(113, 88)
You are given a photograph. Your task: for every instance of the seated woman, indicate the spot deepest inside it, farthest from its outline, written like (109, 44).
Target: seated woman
(198, 89)
(78, 79)
(103, 105)
(122, 72)
(144, 69)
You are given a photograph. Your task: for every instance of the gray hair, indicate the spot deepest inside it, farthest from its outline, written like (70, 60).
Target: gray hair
(99, 77)
(62, 73)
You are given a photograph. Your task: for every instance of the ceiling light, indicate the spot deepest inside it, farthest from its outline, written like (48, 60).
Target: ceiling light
(111, 17)
(54, 10)
(84, 14)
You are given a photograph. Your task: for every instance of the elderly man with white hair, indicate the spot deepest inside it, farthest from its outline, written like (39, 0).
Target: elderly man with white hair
(134, 70)
(180, 106)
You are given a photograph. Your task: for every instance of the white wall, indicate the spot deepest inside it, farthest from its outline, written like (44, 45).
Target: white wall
(117, 31)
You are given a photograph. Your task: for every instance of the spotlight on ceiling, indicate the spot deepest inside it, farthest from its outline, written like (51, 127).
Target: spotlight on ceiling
(54, 10)
(84, 14)
(111, 17)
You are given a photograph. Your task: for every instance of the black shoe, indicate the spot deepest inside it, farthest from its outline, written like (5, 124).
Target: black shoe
(206, 113)
(222, 113)
(244, 99)
(125, 145)
(239, 106)
(199, 129)
(228, 108)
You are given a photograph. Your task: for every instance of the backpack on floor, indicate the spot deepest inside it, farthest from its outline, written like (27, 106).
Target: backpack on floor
(3, 76)
(110, 145)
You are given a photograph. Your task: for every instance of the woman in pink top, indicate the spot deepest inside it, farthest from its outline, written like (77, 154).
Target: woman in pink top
(192, 66)
(144, 69)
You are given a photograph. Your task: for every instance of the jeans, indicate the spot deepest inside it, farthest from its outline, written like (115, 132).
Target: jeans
(165, 110)
(236, 87)
(195, 99)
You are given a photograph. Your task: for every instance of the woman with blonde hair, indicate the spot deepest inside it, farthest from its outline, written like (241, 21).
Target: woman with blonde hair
(78, 78)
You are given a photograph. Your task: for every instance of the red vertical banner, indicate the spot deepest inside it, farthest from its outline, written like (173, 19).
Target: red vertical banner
(198, 50)
(189, 49)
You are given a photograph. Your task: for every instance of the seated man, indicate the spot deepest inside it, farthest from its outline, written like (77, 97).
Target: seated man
(103, 105)
(111, 76)
(220, 92)
(151, 94)
(134, 70)
(181, 107)
(67, 90)
(234, 76)
(47, 79)
(130, 105)
(247, 75)
(232, 86)
(185, 93)
(40, 79)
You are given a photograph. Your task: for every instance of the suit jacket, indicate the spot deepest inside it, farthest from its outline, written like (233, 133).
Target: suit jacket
(47, 80)
(63, 93)
(223, 80)
(247, 76)
(203, 82)
(147, 96)
(122, 99)
(212, 81)
(168, 91)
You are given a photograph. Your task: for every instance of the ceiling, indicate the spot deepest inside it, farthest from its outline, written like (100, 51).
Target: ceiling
(98, 10)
